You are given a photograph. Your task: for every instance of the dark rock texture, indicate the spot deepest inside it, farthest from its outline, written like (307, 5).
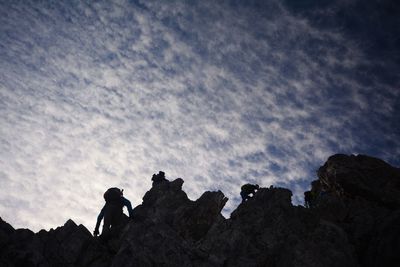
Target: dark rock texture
(363, 198)
(355, 221)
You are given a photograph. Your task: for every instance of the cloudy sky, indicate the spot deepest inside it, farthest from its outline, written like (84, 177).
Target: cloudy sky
(95, 94)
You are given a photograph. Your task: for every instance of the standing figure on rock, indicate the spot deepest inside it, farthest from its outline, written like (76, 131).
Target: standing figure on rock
(248, 189)
(158, 178)
(112, 211)
(308, 201)
(312, 197)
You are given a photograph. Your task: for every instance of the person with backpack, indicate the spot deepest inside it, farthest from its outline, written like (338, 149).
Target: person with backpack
(158, 178)
(248, 189)
(308, 199)
(112, 210)
(313, 197)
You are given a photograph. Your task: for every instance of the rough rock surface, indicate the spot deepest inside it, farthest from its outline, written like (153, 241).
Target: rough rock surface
(355, 222)
(364, 200)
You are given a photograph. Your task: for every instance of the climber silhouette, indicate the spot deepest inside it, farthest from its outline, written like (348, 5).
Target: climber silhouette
(312, 197)
(112, 211)
(248, 189)
(158, 178)
(308, 201)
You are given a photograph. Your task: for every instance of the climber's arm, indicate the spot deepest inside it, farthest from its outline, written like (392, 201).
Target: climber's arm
(128, 205)
(99, 218)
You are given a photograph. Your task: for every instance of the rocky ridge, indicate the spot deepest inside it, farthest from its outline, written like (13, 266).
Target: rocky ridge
(355, 221)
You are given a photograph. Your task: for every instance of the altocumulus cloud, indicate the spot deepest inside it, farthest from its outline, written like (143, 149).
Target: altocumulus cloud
(108, 93)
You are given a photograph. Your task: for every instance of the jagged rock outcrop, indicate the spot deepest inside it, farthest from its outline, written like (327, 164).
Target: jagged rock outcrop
(167, 203)
(268, 231)
(355, 222)
(363, 198)
(363, 177)
(69, 245)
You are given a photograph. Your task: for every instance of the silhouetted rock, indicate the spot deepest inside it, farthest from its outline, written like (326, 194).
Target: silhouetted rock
(68, 245)
(355, 222)
(362, 177)
(268, 231)
(363, 198)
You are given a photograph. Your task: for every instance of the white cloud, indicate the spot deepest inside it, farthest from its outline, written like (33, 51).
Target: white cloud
(108, 94)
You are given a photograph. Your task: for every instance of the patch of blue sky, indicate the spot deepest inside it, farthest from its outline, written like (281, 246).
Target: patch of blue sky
(256, 157)
(251, 124)
(139, 3)
(276, 169)
(275, 151)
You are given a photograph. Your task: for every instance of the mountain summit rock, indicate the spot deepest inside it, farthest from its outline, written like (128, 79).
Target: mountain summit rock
(354, 221)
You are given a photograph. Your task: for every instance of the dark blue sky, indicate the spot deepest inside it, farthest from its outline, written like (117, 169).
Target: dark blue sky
(103, 94)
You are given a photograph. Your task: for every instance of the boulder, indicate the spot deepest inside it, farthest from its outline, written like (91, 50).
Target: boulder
(362, 196)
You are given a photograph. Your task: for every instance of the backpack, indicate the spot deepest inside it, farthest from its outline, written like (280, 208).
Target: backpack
(158, 178)
(248, 188)
(113, 195)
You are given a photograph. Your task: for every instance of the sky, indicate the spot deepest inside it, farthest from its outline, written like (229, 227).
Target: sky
(95, 94)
